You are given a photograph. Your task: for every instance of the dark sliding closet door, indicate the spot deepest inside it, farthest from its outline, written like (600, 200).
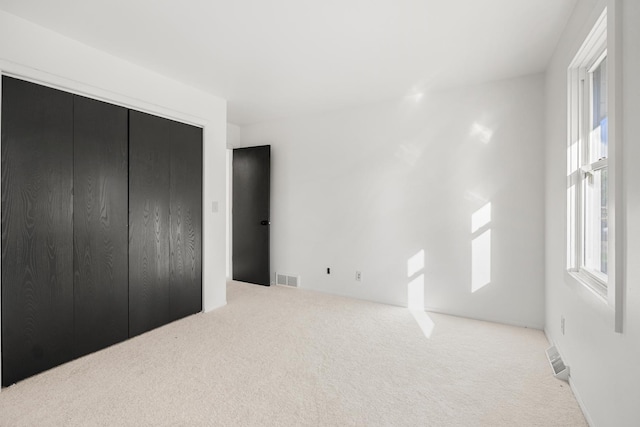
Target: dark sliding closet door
(185, 196)
(37, 228)
(165, 221)
(100, 225)
(149, 153)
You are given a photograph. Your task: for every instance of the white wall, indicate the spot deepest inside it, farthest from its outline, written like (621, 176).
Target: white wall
(605, 373)
(233, 136)
(369, 188)
(233, 141)
(32, 52)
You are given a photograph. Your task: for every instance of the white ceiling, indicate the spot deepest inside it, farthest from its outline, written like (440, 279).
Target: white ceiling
(276, 58)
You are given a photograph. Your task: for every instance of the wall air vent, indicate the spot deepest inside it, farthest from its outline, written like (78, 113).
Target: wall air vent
(560, 370)
(287, 280)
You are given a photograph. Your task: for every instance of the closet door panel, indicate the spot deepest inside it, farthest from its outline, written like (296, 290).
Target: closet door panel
(37, 229)
(149, 154)
(100, 225)
(186, 220)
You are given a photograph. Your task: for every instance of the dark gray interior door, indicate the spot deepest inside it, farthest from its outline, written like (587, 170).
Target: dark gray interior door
(251, 212)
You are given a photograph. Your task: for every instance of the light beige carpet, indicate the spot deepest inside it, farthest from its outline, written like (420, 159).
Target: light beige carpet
(289, 357)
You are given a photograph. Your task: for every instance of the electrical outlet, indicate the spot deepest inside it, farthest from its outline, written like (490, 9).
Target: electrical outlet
(562, 324)
(358, 276)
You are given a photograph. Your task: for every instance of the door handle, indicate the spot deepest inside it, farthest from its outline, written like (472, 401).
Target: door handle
(265, 222)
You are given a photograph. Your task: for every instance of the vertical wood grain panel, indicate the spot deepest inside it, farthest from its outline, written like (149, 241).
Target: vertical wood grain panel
(37, 229)
(149, 154)
(100, 225)
(186, 220)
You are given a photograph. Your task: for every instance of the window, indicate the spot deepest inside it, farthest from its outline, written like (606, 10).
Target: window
(589, 186)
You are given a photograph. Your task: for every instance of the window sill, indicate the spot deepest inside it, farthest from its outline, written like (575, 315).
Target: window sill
(591, 283)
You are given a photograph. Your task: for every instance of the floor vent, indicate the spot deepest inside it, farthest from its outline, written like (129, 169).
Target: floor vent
(560, 370)
(287, 280)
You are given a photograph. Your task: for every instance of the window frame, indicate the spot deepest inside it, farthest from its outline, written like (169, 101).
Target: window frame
(590, 55)
(587, 167)
(603, 41)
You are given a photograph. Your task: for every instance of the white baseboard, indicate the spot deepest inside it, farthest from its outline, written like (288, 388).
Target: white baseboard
(574, 388)
(585, 412)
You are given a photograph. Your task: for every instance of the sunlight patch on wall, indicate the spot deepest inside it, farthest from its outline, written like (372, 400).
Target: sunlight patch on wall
(415, 293)
(481, 261)
(409, 153)
(481, 132)
(415, 263)
(417, 97)
(481, 217)
(416, 93)
(481, 248)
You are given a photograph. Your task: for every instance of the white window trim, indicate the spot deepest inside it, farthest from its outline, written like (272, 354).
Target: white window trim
(604, 39)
